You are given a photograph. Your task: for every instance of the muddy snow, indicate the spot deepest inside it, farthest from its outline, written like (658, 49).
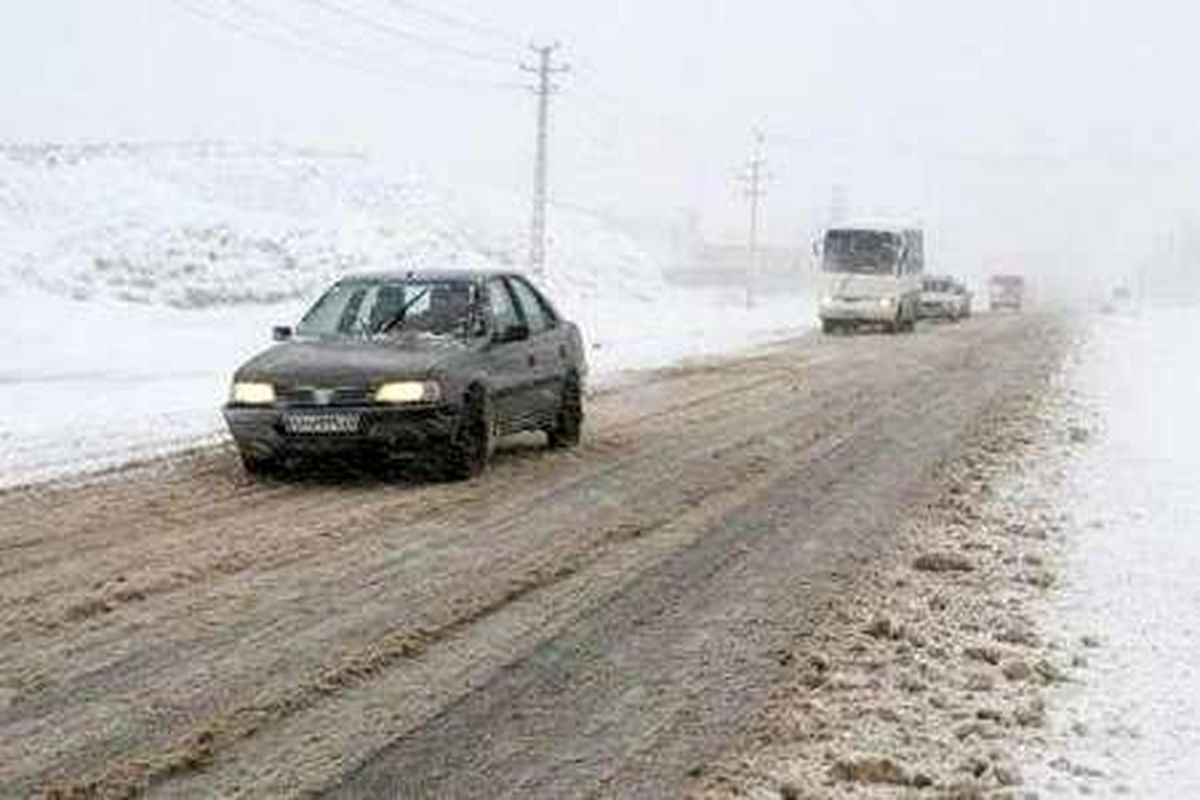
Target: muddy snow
(933, 671)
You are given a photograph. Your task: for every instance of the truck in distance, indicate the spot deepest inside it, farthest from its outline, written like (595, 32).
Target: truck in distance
(1006, 292)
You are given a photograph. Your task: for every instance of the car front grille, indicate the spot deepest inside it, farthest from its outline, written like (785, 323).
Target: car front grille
(324, 396)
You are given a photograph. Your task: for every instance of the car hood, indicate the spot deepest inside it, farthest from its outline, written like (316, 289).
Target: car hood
(348, 362)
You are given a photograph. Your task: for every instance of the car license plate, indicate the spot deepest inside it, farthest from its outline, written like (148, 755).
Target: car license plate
(320, 424)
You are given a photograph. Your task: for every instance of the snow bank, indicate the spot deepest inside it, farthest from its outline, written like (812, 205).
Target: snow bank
(1131, 594)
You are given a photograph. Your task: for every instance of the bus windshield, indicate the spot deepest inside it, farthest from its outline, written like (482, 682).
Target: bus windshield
(862, 252)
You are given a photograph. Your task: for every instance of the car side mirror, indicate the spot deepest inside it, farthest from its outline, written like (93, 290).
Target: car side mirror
(281, 333)
(513, 333)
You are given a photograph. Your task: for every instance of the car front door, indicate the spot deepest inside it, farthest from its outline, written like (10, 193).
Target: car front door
(549, 351)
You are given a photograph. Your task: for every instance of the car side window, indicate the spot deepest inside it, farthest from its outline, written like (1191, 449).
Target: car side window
(547, 310)
(531, 304)
(500, 302)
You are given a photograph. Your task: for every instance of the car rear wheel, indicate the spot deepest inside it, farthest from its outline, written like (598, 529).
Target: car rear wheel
(470, 449)
(568, 424)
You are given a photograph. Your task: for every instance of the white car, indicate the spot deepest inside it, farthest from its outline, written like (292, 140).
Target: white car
(943, 297)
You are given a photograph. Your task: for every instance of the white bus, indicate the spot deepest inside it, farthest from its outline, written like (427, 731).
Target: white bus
(871, 275)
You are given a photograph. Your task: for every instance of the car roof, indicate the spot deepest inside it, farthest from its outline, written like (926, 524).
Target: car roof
(437, 274)
(881, 225)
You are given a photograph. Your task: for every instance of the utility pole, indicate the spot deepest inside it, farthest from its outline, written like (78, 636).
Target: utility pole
(544, 69)
(754, 179)
(837, 204)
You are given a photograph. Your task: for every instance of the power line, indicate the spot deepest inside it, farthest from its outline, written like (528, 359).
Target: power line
(328, 51)
(308, 36)
(674, 127)
(408, 36)
(598, 110)
(472, 26)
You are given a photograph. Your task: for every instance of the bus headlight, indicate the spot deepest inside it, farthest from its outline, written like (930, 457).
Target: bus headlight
(887, 302)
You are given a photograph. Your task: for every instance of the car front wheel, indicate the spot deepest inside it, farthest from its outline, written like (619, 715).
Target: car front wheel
(257, 466)
(470, 449)
(568, 424)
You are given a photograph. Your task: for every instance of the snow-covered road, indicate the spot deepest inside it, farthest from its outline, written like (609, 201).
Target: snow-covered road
(1131, 589)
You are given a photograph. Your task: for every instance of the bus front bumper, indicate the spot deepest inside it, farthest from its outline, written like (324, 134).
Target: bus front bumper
(859, 309)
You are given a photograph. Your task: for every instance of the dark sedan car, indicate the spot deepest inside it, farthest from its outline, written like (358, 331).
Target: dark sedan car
(419, 364)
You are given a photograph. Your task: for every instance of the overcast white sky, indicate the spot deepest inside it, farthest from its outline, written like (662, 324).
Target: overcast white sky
(1062, 132)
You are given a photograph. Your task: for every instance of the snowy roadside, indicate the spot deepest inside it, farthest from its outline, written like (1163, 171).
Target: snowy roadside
(1129, 722)
(1036, 631)
(88, 385)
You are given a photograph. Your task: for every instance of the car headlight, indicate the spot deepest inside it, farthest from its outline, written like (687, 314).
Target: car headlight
(826, 299)
(252, 393)
(409, 392)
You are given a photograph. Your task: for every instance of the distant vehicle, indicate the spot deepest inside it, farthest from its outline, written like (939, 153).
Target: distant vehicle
(944, 297)
(1006, 292)
(426, 365)
(871, 275)
(1120, 301)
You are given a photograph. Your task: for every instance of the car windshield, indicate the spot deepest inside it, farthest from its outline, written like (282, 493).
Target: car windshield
(388, 307)
(861, 252)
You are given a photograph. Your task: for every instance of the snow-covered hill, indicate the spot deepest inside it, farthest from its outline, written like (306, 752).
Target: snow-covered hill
(209, 224)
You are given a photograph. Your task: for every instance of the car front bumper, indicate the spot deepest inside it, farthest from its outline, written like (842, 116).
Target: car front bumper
(263, 432)
(938, 308)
